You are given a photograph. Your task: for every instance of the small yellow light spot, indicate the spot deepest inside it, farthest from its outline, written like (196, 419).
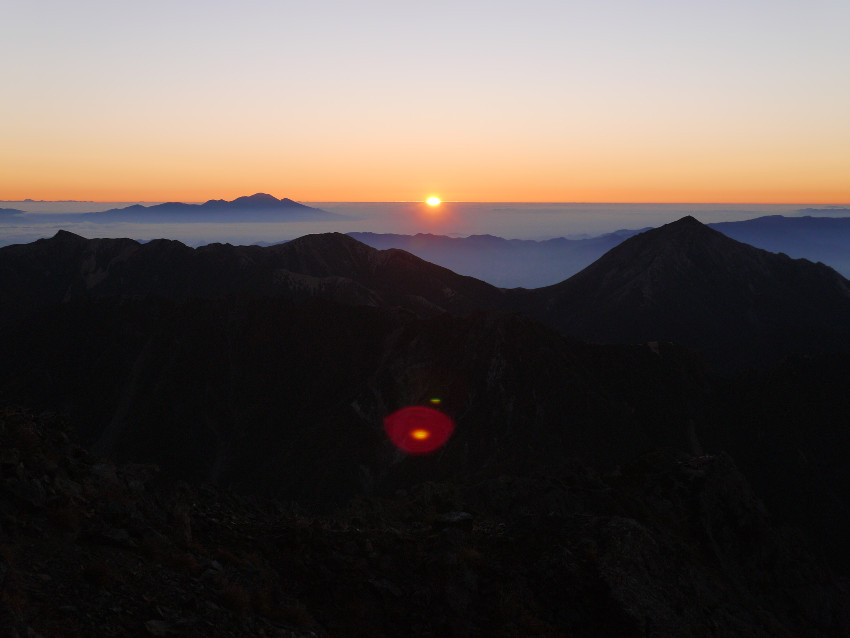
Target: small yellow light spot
(433, 201)
(420, 434)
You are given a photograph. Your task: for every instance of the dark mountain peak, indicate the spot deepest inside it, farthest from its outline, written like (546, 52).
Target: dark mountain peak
(686, 227)
(677, 249)
(326, 254)
(325, 240)
(687, 220)
(688, 283)
(169, 244)
(66, 236)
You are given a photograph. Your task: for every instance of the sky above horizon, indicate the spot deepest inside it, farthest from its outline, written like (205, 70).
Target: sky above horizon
(609, 101)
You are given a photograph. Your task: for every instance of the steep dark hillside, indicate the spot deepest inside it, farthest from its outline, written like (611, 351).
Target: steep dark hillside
(290, 401)
(684, 282)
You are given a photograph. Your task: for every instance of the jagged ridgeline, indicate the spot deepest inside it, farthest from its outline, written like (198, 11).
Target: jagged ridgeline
(271, 369)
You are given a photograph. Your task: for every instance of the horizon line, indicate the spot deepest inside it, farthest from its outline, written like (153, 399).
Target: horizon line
(422, 201)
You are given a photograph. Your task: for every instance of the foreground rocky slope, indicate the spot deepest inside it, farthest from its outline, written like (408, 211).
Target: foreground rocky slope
(669, 545)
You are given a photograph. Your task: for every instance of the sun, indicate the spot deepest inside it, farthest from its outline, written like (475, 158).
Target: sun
(433, 201)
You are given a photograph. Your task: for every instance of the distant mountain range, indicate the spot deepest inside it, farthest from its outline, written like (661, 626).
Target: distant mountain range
(507, 263)
(824, 239)
(271, 369)
(511, 263)
(259, 207)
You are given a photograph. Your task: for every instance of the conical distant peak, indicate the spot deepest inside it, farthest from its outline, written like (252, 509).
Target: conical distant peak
(257, 198)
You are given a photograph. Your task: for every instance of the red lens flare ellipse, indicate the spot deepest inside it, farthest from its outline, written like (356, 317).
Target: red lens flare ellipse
(418, 430)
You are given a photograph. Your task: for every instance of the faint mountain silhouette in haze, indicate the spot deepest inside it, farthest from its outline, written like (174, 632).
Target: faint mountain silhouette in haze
(512, 263)
(507, 263)
(824, 239)
(841, 211)
(257, 208)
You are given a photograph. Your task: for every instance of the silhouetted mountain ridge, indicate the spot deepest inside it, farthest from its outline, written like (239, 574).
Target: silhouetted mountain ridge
(687, 283)
(331, 265)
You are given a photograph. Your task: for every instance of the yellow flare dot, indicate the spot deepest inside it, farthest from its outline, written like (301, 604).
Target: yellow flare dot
(420, 435)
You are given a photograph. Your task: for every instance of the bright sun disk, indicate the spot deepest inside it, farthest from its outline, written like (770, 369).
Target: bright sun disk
(433, 201)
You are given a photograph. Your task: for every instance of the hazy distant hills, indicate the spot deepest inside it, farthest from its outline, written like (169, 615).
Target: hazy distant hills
(824, 239)
(259, 207)
(511, 263)
(507, 263)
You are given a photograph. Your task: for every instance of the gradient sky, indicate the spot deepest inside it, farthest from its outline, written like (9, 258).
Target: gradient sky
(606, 101)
